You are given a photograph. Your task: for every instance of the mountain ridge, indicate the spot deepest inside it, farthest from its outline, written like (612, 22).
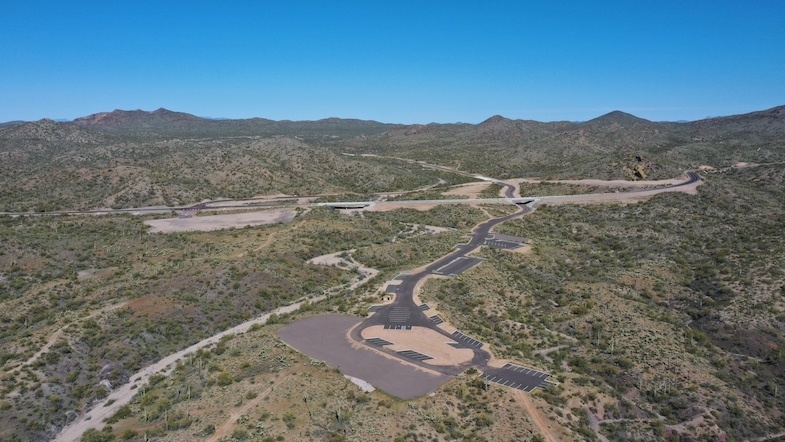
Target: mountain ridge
(120, 116)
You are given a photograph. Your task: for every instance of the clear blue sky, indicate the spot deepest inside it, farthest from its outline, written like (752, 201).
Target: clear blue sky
(392, 61)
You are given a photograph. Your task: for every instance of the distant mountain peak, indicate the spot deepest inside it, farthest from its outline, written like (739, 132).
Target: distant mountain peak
(617, 117)
(496, 124)
(494, 120)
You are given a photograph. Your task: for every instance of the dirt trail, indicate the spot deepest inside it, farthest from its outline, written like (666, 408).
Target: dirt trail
(123, 395)
(267, 241)
(235, 414)
(770, 437)
(346, 262)
(537, 418)
(50, 341)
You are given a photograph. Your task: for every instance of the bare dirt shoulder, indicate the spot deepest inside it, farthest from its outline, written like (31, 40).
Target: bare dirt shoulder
(617, 197)
(218, 222)
(471, 190)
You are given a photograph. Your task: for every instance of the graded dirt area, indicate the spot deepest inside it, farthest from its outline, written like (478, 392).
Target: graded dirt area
(325, 338)
(218, 222)
(422, 340)
(392, 205)
(620, 197)
(344, 260)
(471, 190)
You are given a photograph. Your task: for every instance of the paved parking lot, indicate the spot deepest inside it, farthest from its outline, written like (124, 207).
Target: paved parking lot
(378, 342)
(397, 327)
(457, 266)
(516, 376)
(411, 354)
(499, 241)
(399, 314)
(501, 244)
(393, 287)
(324, 338)
(468, 340)
(510, 238)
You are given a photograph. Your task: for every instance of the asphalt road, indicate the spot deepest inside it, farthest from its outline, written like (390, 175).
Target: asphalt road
(458, 266)
(290, 201)
(404, 313)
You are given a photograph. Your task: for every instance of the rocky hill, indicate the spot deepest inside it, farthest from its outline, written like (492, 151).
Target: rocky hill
(603, 147)
(166, 123)
(49, 164)
(47, 131)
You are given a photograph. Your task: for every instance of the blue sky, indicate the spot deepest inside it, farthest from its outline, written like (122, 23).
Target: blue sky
(392, 61)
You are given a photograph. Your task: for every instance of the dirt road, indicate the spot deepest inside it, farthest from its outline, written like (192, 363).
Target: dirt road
(536, 416)
(234, 415)
(59, 332)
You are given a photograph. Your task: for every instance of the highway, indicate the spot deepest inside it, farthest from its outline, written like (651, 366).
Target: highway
(292, 201)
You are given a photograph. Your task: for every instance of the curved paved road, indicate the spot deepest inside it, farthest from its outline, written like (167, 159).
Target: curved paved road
(404, 306)
(404, 313)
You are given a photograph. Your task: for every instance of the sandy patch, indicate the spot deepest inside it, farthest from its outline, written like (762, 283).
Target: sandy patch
(94, 273)
(422, 340)
(345, 262)
(471, 190)
(333, 259)
(432, 229)
(526, 248)
(218, 222)
(364, 385)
